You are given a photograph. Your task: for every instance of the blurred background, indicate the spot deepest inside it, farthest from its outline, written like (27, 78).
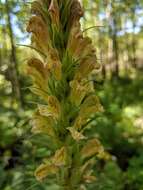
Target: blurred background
(116, 27)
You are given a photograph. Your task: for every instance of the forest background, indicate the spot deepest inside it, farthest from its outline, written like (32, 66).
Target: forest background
(116, 27)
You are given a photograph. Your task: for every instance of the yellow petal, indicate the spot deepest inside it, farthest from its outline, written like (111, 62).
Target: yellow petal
(86, 66)
(60, 157)
(43, 125)
(90, 106)
(54, 12)
(87, 165)
(54, 105)
(76, 12)
(38, 91)
(92, 147)
(52, 109)
(39, 66)
(89, 178)
(104, 155)
(79, 122)
(45, 170)
(75, 134)
(44, 110)
(38, 27)
(54, 64)
(79, 91)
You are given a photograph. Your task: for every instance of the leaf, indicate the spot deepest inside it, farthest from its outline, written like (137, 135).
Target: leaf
(75, 134)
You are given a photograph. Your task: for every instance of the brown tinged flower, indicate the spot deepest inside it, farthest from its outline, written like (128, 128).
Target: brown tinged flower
(92, 147)
(69, 59)
(45, 170)
(53, 108)
(40, 75)
(77, 136)
(54, 64)
(42, 125)
(39, 29)
(88, 177)
(38, 80)
(90, 106)
(79, 46)
(39, 66)
(86, 66)
(37, 8)
(60, 157)
(76, 12)
(54, 13)
(79, 89)
(78, 123)
(74, 40)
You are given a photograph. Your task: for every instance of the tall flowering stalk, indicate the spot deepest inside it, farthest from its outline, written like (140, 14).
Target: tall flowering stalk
(61, 78)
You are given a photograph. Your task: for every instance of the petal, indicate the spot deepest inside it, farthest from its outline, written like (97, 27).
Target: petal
(75, 134)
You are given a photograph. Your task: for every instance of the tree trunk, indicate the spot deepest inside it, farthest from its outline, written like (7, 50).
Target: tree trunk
(13, 59)
(134, 41)
(114, 40)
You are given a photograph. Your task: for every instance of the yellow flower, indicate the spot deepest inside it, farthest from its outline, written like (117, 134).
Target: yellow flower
(54, 105)
(43, 125)
(92, 147)
(52, 109)
(37, 77)
(79, 122)
(86, 66)
(75, 39)
(39, 29)
(81, 47)
(79, 91)
(39, 66)
(88, 178)
(45, 170)
(75, 134)
(54, 64)
(104, 155)
(54, 13)
(87, 165)
(38, 91)
(90, 106)
(60, 157)
(76, 12)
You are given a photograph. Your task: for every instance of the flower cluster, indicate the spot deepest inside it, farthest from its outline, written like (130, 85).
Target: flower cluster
(61, 78)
